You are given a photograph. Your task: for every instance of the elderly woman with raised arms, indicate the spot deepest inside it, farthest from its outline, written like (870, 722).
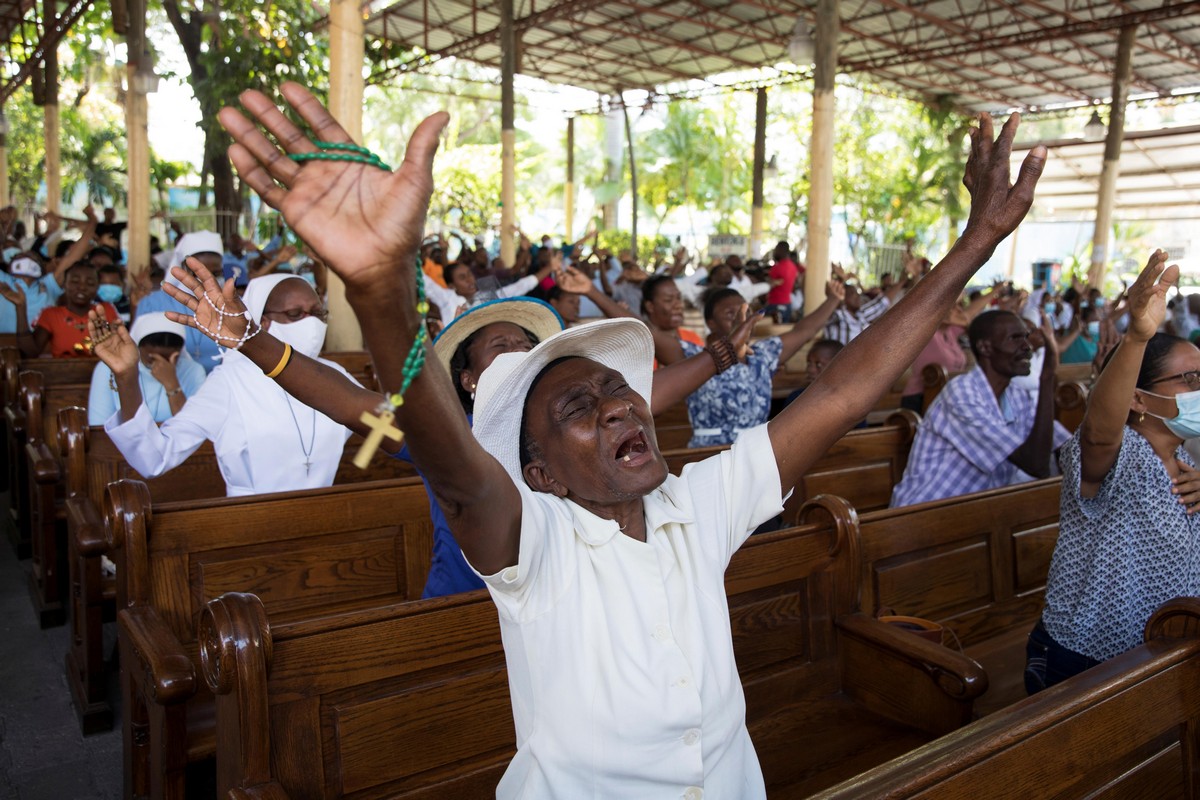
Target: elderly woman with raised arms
(602, 565)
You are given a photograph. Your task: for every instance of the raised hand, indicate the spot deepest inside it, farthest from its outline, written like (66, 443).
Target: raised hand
(364, 222)
(997, 206)
(163, 370)
(572, 280)
(1186, 487)
(12, 294)
(217, 311)
(112, 345)
(743, 328)
(139, 285)
(1148, 296)
(835, 289)
(1047, 327)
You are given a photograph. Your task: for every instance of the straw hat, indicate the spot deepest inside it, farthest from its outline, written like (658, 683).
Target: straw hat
(535, 316)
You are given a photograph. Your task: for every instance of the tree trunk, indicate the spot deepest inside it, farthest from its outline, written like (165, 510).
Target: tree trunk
(216, 141)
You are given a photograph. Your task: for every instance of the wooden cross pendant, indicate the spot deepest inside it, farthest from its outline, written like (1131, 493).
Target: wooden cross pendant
(381, 426)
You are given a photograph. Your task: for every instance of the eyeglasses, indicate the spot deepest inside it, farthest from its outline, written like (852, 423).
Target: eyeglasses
(297, 314)
(1191, 378)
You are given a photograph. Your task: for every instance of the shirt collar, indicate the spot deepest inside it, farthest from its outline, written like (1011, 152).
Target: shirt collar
(659, 507)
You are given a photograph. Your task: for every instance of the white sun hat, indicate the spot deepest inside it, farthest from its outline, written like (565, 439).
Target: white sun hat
(623, 344)
(535, 316)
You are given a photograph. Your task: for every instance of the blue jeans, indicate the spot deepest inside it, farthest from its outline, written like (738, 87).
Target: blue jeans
(1047, 662)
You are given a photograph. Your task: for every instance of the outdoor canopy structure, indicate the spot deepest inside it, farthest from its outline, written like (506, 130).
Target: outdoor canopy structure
(973, 55)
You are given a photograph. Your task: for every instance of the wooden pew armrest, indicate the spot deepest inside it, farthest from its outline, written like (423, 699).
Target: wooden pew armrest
(84, 519)
(163, 670)
(905, 678)
(43, 466)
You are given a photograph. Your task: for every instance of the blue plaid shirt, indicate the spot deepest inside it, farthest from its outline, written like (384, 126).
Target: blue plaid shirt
(965, 440)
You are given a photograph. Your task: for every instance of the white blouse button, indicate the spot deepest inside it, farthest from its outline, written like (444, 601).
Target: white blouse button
(661, 633)
(691, 737)
(693, 793)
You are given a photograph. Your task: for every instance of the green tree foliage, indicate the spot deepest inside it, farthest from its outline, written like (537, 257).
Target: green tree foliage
(93, 159)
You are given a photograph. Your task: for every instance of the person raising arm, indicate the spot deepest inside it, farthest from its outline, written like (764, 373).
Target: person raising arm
(583, 459)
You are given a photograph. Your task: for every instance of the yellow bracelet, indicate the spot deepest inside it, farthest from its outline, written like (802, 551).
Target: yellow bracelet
(283, 361)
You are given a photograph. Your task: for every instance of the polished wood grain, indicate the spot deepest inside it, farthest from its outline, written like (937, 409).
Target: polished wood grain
(1128, 728)
(90, 462)
(311, 552)
(976, 564)
(410, 700)
(861, 467)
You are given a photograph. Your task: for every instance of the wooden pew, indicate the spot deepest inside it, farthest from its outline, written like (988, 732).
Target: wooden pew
(1128, 728)
(1070, 403)
(862, 466)
(990, 552)
(358, 363)
(305, 553)
(61, 381)
(42, 518)
(411, 700)
(90, 462)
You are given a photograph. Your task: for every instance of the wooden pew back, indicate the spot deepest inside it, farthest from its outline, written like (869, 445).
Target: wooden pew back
(1129, 727)
(361, 543)
(976, 564)
(861, 467)
(990, 550)
(411, 700)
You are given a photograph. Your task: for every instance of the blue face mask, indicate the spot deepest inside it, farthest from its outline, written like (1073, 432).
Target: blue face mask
(1185, 425)
(109, 292)
(1049, 307)
(1093, 329)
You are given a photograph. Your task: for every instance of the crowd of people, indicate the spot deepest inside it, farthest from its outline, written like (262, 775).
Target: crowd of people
(531, 421)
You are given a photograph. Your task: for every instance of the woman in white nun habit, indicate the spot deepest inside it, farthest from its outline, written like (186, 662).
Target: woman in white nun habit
(166, 374)
(265, 440)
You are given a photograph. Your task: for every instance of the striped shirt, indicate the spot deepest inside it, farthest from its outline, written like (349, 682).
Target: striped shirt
(965, 440)
(843, 326)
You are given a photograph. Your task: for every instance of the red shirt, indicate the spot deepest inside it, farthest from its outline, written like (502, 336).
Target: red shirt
(68, 330)
(942, 349)
(786, 271)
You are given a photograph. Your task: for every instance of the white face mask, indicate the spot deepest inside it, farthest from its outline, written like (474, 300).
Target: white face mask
(306, 336)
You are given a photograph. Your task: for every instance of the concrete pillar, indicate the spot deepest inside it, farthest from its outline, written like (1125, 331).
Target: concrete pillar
(633, 186)
(508, 135)
(1112, 157)
(820, 195)
(569, 186)
(346, 45)
(137, 143)
(614, 131)
(760, 165)
(50, 127)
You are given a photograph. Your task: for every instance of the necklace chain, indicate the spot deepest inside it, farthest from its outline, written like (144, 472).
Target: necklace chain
(312, 436)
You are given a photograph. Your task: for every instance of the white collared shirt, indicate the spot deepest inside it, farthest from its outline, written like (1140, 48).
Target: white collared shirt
(620, 655)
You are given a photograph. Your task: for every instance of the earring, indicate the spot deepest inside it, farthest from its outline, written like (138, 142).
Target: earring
(473, 385)
(1142, 418)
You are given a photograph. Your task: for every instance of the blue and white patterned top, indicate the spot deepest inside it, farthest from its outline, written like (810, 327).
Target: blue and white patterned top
(964, 442)
(1120, 554)
(738, 398)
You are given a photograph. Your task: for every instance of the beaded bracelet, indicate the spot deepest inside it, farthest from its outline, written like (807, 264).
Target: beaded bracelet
(352, 152)
(722, 353)
(380, 422)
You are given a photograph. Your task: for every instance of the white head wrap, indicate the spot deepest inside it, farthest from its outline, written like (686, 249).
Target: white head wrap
(259, 289)
(154, 322)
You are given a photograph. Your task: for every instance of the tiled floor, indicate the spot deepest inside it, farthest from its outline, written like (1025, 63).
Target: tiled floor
(43, 756)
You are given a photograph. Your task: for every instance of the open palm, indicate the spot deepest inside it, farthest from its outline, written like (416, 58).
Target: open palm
(364, 222)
